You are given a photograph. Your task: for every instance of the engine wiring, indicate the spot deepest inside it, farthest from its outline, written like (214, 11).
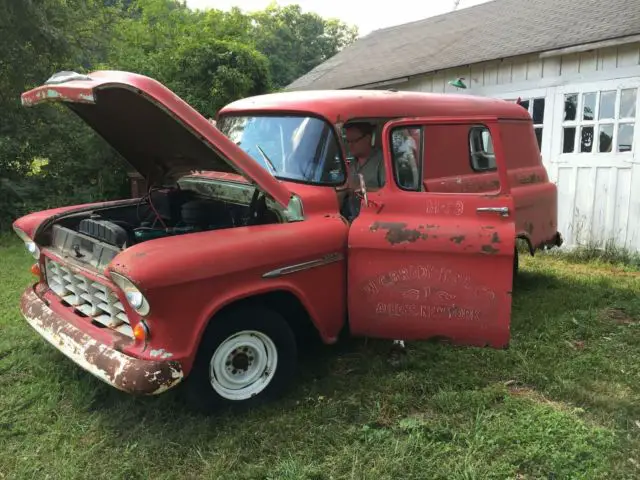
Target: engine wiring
(147, 197)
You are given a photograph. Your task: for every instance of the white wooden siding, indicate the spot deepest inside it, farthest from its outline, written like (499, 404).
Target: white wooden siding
(528, 68)
(598, 195)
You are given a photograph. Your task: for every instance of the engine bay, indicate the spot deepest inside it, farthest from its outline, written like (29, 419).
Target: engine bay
(98, 236)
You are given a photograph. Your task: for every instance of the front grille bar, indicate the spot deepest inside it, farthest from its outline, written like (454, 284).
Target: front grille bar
(92, 299)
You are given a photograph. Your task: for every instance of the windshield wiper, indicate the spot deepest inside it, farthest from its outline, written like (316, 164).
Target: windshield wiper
(266, 159)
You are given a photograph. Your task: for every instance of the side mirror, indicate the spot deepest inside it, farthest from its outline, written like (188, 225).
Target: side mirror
(363, 190)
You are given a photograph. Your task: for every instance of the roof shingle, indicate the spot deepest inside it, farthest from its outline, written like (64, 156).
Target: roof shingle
(497, 29)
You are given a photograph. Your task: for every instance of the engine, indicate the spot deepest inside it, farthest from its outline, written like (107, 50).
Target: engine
(194, 216)
(95, 239)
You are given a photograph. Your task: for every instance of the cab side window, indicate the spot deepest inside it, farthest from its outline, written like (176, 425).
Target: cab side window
(406, 152)
(483, 158)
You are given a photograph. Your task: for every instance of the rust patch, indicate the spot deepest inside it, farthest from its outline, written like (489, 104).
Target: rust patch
(495, 238)
(489, 249)
(397, 232)
(458, 239)
(529, 179)
(105, 362)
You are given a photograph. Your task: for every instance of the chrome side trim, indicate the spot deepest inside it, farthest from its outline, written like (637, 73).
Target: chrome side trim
(326, 260)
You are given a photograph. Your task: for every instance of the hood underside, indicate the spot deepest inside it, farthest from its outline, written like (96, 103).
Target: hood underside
(158, 133)
(158, 147)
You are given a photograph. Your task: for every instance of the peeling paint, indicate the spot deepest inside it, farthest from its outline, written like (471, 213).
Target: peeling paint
(490, 249)
(126, 373)
(458, 239)
(495, 238)
(397, 232)
(533, 178)
(161, 352)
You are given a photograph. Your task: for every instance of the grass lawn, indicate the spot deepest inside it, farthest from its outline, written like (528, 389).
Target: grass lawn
(562, 402)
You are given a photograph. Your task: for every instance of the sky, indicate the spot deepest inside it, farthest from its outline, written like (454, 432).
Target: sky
(364, 13)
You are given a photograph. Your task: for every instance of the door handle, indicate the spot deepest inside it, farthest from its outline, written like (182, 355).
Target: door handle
(504, 211)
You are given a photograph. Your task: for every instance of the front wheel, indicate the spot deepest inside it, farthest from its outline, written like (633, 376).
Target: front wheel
(247, 357)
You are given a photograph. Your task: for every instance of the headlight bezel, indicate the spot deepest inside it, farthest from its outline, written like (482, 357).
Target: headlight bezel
(29, 244)
(131, 292)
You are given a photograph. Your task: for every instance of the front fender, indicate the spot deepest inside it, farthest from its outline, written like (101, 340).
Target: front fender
(31, 222)
(327, 316)
(188, 279)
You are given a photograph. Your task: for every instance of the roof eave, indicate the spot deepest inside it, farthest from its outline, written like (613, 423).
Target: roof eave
(565, 50)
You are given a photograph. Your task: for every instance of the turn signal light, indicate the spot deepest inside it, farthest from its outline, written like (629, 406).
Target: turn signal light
(141, 332)
(35, 269)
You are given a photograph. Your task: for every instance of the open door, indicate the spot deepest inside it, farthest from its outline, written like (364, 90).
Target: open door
(426, 264)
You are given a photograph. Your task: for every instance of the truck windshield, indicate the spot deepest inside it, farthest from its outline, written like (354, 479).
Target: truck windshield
(296, 148)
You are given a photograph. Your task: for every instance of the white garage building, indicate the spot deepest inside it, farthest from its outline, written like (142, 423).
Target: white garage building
(576, 64)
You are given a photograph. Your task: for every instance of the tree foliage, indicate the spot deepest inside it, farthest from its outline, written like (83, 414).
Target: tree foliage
(295, 42)
(38, 146)
(48, 157)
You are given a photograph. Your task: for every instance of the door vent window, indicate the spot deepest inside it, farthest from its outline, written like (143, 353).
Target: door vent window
(483, 157)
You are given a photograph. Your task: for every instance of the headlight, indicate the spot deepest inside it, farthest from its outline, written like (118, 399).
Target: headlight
(134, 297)
(29, 244)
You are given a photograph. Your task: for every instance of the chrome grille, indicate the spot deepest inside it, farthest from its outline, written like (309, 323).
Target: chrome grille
(91, 298)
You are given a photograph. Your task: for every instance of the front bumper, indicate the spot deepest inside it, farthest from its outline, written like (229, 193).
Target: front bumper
(122, 371)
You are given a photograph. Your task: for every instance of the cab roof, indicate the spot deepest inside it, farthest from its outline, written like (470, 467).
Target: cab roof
(344, 105)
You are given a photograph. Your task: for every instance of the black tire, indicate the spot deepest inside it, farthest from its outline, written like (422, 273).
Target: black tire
(198, 387)
(516, 262)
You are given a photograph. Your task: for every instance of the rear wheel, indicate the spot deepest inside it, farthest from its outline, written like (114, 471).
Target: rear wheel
(247, 357)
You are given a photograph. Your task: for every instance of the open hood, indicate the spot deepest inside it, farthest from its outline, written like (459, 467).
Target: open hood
(156, 131)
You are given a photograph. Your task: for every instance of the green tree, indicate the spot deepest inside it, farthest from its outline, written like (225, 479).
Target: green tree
(296, 42)
(49, 157)
(209, 73)
(39, 38)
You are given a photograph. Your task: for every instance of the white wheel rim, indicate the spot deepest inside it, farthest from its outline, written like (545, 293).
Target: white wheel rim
(243, 365)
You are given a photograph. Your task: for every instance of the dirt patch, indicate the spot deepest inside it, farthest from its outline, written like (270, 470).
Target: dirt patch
(619, 272)
(618, 316)
(523, 391)
(577, 344)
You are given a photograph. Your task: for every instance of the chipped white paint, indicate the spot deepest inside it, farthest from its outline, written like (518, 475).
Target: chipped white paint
(598, 194)
(40, 317)
(161, 352)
